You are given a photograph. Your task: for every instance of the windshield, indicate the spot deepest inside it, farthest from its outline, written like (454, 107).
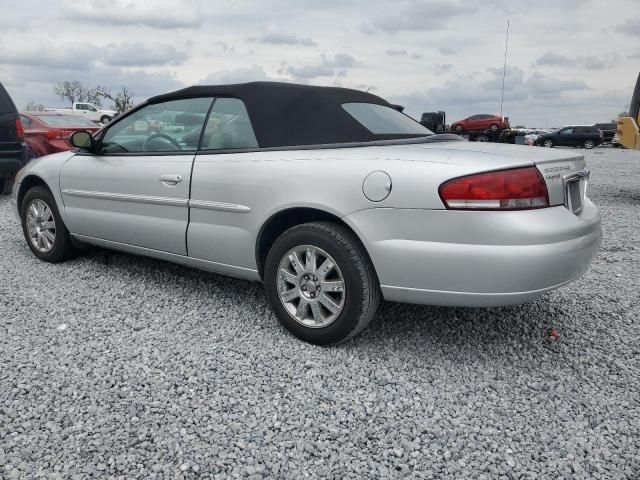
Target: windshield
(66, 121)
(382, 120)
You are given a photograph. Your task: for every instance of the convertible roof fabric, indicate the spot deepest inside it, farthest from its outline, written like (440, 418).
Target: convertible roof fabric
(287, 114)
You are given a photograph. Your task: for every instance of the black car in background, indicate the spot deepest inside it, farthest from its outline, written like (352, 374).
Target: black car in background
(13, 150)
(608, 131)
(586, 136)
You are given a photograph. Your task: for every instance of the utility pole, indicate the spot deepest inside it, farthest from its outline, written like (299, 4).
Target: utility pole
(504, 70)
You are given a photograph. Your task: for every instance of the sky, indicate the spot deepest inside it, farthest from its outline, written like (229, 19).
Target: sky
(569, 61)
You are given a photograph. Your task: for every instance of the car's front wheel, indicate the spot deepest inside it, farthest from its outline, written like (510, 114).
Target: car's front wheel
(458, 128)
(321, 283)
(46, 234)
(105, 119)
(548, 143)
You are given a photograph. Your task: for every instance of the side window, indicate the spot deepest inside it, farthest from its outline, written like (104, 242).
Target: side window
(26, 121)
(91, 108)
(172, 126)
(81, 106)
(228, 126)
(566, 131)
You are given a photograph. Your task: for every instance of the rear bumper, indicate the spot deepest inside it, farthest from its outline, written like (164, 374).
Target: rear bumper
(459, 258)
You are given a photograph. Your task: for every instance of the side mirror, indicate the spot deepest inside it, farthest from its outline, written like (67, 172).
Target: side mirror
(82, 139)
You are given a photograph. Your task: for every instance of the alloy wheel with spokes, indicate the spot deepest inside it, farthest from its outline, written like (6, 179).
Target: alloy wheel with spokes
(588, 144)
(311, 286)
(548, 143)
(320, 282)
(41, 225)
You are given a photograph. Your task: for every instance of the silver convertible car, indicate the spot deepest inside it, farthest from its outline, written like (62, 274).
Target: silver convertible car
(329, 196)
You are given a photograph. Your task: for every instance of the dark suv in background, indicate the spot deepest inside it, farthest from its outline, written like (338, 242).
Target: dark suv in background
(13, 150)
(571, 136)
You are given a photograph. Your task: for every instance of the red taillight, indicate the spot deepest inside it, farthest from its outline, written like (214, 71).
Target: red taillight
(515, 189)
(57, 134)
(19, 130)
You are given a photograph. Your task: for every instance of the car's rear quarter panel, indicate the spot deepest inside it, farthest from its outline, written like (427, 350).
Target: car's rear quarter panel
(260, 184)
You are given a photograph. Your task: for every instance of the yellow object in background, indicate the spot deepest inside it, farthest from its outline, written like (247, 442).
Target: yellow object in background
(628, 132)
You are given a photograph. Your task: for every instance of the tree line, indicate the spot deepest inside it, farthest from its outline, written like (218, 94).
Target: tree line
(75, 91)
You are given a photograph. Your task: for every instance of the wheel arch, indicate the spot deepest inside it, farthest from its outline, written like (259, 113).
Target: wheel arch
(282, 220)
(27, 184)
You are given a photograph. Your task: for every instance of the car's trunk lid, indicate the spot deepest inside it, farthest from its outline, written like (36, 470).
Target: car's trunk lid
(563, 170)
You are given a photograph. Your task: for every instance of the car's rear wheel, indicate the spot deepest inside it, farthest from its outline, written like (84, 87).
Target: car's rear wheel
(105, 119)
(493, 127)
(589, 144)
(458, 128)
(321, 283)
(548, 143)
(43, 228)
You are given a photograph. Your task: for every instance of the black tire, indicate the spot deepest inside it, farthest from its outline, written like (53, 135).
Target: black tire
(6, 185)
(493, 127)
(63, 248)
(105, 119)
(548, 143)
(458, 128)
(362, 291)
(482, 138)
(589, 144)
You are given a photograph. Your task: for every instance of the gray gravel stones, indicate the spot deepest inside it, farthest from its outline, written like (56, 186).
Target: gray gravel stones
(143, 369)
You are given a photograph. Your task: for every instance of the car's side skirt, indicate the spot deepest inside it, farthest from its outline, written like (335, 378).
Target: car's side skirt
(230, 270)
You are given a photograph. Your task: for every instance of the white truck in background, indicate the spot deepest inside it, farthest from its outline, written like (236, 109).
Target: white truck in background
(87, 110)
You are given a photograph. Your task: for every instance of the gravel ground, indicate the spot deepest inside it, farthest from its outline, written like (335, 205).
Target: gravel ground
(143, 369)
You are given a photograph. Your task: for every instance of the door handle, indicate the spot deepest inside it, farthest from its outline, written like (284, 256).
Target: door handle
(170, 179)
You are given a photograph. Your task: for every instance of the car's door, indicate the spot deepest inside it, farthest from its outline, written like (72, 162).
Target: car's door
(223, 191)
(471, 123)
(564, 137)
(92, 113)
(82, 109)
(134, 189)
(483, 122)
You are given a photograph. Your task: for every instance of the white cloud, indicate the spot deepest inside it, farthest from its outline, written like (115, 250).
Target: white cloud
(253, 73)
(590, 62)
(276, 38)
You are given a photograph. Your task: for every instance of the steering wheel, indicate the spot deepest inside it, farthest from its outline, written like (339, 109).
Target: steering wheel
(160, 136)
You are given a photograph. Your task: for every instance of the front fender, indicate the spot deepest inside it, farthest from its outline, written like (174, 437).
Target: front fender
(41, 170)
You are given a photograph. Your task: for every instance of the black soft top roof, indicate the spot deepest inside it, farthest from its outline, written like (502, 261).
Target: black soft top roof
(288, 114)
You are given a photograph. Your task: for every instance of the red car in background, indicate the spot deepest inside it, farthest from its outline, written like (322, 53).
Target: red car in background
(480, 123)
(47, 133)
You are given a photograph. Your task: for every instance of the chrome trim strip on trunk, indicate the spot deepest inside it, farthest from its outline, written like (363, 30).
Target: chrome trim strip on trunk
(576, 180)
(125, 197)
(221, 206)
